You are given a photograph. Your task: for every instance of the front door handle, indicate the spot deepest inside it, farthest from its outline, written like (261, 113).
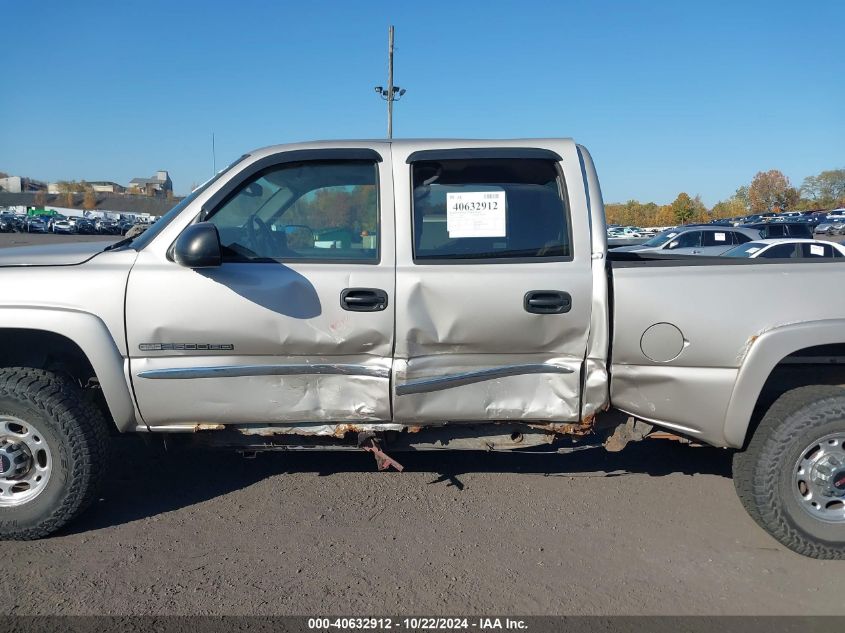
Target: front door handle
(363, 299)
(547, 302)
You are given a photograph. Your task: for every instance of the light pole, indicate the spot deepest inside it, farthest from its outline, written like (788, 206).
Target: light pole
(391, 93)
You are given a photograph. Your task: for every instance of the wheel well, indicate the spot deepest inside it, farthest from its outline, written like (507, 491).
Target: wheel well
(41, 349)
(817, 365)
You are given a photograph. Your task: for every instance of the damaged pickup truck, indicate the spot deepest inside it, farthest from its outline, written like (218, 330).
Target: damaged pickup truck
(411, 295)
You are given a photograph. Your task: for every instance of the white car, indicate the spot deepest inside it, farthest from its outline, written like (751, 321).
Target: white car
(624, 231)
(787, 249)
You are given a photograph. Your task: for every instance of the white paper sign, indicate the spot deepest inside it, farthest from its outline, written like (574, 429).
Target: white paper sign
(719, 237)
(476, 214)
(815, 249)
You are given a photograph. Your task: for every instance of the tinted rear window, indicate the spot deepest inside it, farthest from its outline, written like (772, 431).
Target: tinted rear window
(489, 209)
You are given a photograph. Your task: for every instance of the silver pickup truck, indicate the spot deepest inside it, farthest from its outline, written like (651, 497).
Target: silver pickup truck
(413, 295)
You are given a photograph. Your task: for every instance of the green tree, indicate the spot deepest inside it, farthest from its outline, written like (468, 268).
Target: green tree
(683, 208)
(741, 196)
(826, 188)
(730, 208)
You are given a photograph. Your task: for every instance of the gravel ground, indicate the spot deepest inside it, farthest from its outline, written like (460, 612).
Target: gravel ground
(656, 529)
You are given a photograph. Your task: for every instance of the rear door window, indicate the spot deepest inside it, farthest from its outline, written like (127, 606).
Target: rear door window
(799, 230)
(486, 209)
(717, 238)
(816, 250)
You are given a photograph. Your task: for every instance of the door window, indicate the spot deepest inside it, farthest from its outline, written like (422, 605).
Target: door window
(322, 211)
(690, 239)
(717, 238)
(816, 250)
(782, 251)
(486, 209)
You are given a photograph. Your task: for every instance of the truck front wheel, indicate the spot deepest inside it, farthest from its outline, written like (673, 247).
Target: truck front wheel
(791, 478)
(53, 446)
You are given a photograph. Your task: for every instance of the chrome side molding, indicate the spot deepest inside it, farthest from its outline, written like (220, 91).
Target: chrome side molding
(236, 371)
(438, 383)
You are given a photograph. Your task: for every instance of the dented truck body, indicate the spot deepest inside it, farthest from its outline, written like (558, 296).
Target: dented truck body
(409, 326)
(417, 295)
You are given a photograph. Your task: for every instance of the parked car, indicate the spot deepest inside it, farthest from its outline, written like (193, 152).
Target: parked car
(831, 227)
(37, 224)
(787, 215)
(19, 223)
(625, 231)
(63, 226)
(781, 229)
(124, 226)
(52, 219)
(787, 249)
(705, 239)
(105, 226)
(7, 223)
(85, 226)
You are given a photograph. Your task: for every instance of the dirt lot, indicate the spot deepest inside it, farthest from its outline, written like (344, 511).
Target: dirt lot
(655, 529)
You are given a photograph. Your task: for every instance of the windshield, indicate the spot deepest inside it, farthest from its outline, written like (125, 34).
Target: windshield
(661, 238)
(147, 236)
(746, 250)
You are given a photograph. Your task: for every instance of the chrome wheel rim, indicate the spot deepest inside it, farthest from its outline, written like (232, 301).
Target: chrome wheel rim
(25, 462)
(819, 479)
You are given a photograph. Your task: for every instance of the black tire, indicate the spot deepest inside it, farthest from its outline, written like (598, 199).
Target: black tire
(764, 473)
(78, 438)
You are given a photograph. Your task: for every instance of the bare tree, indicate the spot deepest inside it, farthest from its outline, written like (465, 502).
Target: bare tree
(90, 200)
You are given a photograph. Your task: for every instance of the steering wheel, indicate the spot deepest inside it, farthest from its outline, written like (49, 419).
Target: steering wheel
(260, 237)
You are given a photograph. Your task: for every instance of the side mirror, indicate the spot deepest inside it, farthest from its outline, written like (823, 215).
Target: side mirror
(198, 246)
(299, 236)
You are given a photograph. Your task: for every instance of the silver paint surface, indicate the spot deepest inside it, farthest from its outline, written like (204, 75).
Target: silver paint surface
(63, 254)
(239, 371)
(469, 316)
(442, 320)
(450, 381)
(725, 313)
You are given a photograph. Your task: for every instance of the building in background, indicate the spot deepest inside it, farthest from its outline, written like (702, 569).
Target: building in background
(16, 184)
(104, 186)
(158, 185)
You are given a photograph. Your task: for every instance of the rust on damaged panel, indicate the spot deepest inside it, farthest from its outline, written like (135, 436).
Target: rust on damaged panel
(208, 427)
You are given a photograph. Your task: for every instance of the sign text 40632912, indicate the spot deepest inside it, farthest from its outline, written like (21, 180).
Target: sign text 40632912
(476, 214)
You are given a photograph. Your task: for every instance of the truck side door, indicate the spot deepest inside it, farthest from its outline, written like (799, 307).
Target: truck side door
(297, 322)
(494, 282)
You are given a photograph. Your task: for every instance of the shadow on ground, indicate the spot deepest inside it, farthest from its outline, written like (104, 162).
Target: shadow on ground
(145, 481)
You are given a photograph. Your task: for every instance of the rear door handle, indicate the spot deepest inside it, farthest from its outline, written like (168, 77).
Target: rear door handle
(547, 302)
(363, 299)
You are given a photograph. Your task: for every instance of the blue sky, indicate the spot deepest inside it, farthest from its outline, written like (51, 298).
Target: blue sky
(668, 96)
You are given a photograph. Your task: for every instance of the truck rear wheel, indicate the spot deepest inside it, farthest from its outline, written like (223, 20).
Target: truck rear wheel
(791, 478)
(53, 450)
